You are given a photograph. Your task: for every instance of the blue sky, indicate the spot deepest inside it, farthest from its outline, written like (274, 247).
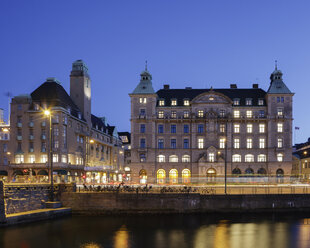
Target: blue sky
(187, 43)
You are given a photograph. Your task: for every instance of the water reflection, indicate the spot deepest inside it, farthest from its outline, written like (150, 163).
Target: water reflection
(121, 238)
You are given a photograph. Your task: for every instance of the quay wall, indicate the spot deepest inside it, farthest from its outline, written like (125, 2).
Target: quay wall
(117, 203)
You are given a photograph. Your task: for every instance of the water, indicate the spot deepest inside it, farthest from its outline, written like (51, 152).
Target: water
(161, 231)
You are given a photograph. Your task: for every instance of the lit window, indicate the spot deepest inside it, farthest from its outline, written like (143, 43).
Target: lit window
(63, 158)
(280, 112)
(249, 114)
(236, 143)
(222, 128)
(142, 99)
(249, 143)
(186, 158)
(260, 102)
(55, 158)
(161, 158)
(173, 158)
(186, 102)
(236, 128)
(248, 101)
(211, 157)
(200, 113)
(280, 142)
(280, 127)
(31, 158)
(43, 158)
(222, 113)
(262, 128)
(261, 143)
(200, 128)
(142, 157)
(261, 158)
(161, 103)
(173, 114)
(173, 102)
(222, 143)
(200, 143)
(280, 157)
(249, 128)
(236, 158)
(249, 158)
(161, 114)
(236, 114)
(173, 143)
(173, 128)
(186, 114)
(236, 101)
(19, 158)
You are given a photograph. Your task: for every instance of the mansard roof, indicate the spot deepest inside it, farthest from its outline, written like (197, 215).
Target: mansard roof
(190, 94)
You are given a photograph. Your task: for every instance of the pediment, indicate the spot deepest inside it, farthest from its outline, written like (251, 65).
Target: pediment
(212, 97)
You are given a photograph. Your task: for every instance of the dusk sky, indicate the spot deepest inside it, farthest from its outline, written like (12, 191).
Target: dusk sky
(186, 43)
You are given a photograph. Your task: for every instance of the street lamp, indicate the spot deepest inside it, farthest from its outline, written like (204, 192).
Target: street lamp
(225, 157)
(48, 114)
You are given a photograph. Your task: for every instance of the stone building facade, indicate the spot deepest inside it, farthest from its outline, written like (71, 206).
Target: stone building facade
(84, 147)
(301, 162)
(192, 135)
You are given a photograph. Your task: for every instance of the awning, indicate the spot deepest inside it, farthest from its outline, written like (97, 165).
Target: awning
(42, 173)
(61, 172)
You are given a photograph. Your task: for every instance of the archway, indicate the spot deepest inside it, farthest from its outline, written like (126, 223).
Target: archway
(280, 175)
(249, 171)
(143, 176)
(236, 171)
(173, 176)
(186, 176)
(262, 171)
(161, 176)
(43, 176)
(211, 175)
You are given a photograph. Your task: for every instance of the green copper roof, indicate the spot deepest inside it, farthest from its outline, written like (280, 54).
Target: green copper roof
(277, 86)
(145, 85)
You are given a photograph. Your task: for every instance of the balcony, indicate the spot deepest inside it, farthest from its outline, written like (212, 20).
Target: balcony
(31, 124)
(19, 124)
(19, 137)
(31, 137)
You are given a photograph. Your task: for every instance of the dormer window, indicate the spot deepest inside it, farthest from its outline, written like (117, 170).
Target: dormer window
(36, 106)
(248, 101)
(260, 102)
(174, 102)
(186, 102)
(161, 102)
(142, 100)
(79, 115)
(236, 101)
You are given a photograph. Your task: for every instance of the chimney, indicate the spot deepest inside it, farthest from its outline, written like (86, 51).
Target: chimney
(233, 86)
(255, 86)
(188, 88)
(166, 86)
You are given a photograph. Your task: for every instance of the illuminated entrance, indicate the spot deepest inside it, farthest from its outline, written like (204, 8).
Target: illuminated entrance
(173, 176)
(186, 176)
(161, 176)
(143, 176)
(211, 174)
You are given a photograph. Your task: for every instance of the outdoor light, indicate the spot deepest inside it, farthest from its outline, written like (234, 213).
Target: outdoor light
(305, 152)
(47, 112)
(5, 130)
(91, 141)
(8, 153)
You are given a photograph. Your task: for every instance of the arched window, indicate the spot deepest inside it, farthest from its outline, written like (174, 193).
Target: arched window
(261, 158)
(236, 171)
(143, 176)
(249, 171)
(186, 158)
(173, 176)
(280, 175)
(236, 158)
(161, 158)
(186, 175)
(211, 174)
(161, 176)
(262, 171)
(173, 158)
(249, 158)
(280, 157)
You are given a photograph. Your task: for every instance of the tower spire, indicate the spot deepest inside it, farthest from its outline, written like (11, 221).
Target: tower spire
(145, 65)
(276, 64)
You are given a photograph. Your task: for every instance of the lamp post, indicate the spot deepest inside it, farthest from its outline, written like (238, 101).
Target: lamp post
(48, 114)
(225, 157)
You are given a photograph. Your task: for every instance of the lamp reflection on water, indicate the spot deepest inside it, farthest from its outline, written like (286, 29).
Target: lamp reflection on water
(91, 245)
(121, 238)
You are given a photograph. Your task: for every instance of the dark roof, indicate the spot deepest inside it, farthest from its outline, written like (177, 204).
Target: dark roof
(127, 134)
(98, 122)
(53, 94)
(110, 130)
(181, 94)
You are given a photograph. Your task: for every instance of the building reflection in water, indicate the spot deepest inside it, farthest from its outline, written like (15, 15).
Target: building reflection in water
(91, 245)
(121, 238)
(303, 233)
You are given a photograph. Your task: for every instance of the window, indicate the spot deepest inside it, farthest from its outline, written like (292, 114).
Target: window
(249, 114)
(161, 114)
(185, 158)
(261, 158)
(280, 112)
(260, 102)
(236, 101)
(173, 102)
(56, 144)
(280, 127)
(142, 143)
(142, 157)
(200, 143)
(249, 143)
(280, 142)
(173, 114)
(249, 158)
(186, 129)
(78, 138)
(280, 157)
(56, 131)
(248, 101)
(55, 158)
(31, 158)
(173, 129)
(43, 158)
(236, 158)
(64, 158)
(186, 114)
(236, 128)
(222, 113)
(160, 143)
(278, 99)
(161, 103)
(249, 128)
(200, 128)
(173, 143)
(186, 102)
(142, 99)
(222, 143)
(185, 143)
(261, 113)
(200, 113)
(236, 114)
(222, 128)
(142, 112)
(282, 99)
(236, 143)
(173, 159)
(262, 128)
(160, 128)
(161, 158)
(5, 148)
(261, 143)
(211, 157)
(142, 128)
